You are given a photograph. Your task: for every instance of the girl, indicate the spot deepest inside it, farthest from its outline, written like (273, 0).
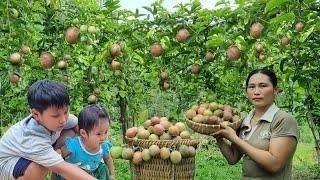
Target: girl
(268, 136)
(89, 148)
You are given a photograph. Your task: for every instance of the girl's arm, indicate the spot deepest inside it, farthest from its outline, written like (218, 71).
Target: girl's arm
(109, 162)
(64, 151)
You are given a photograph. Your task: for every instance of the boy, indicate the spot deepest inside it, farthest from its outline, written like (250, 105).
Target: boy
(26, 149)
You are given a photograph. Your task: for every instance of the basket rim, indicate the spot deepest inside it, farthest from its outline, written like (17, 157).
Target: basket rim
(212, 125)
(208, 129)
(163, 141)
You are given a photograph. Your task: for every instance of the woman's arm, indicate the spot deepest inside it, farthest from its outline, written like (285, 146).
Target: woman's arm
(273, 160)
(280, 150)
(109, 162)
(229, 151)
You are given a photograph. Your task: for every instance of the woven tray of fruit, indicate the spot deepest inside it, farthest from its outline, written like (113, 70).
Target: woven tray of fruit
(207, 117)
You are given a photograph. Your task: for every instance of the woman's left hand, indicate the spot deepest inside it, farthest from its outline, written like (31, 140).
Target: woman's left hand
(225, 131)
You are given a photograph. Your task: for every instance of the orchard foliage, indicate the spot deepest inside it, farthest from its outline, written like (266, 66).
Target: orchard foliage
(118, 58)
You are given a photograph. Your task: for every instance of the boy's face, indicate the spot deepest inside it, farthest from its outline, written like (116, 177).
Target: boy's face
(52, 118)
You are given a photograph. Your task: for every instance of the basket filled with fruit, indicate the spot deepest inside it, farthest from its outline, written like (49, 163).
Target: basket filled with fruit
(207, 117)
(159, 150)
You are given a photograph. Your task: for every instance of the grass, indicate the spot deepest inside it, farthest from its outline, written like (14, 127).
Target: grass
(304, 162)
(210, 164)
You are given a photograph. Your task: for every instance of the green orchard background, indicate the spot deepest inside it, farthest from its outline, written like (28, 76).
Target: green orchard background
(135, 92)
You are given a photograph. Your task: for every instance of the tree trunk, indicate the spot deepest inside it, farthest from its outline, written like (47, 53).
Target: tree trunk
(312, 125)
(123, 120)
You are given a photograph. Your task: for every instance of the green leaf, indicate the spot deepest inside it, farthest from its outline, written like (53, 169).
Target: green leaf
(150, 33)
(138, 58)
(283, 17)
(196, 5)
(315, 112)
(136, 14)
(317, 26)
(273, 4)
(304, 82)
(48, 2)
(38, 7)
(222, 12)
(306, 34)
(240, 2)
(216, 30)
(122, 93)
(221, 2)
(241, 42)
(148, 9)
(215, 40)
(155, 10)
(282, 64)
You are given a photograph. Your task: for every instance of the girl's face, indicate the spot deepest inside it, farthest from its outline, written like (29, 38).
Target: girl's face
(98, 134)
(260, 91)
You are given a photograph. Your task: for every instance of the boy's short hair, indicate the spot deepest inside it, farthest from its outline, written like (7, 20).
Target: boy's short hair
(47, 93)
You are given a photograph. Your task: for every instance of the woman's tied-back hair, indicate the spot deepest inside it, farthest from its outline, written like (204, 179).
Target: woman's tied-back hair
(272, 76)
(47, 93)
(90, 116)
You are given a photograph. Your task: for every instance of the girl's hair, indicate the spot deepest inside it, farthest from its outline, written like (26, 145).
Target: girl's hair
(90, 116)
(272, 76)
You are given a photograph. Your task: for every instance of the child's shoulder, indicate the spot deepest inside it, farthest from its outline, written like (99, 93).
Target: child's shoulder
(106, 147)
(71, 141)
(28, 127)
(106, 143)
(73, 144)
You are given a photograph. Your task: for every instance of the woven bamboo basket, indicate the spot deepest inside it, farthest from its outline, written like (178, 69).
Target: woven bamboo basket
(209, 129)
(157, 168)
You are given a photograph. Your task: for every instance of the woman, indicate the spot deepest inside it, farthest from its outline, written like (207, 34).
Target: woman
(268, 136)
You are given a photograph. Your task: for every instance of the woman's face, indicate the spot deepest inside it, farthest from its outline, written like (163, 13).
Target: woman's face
(260, 91)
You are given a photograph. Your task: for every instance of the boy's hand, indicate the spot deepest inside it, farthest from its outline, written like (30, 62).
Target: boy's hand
(70, 171)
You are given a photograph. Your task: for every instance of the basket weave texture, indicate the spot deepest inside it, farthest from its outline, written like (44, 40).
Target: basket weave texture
(209, 129)
(159, 169)
(156, 169)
